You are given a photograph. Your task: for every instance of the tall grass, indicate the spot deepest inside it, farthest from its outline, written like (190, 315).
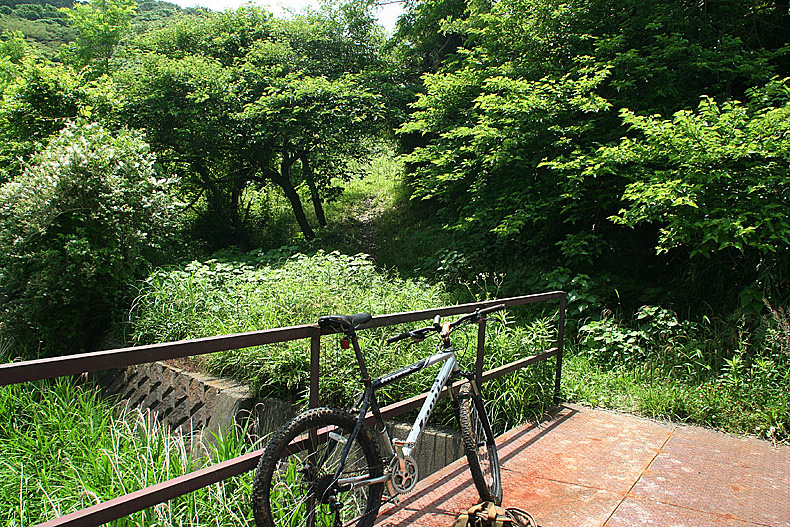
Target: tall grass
(222, 296)
(65, 448)
(712, 373)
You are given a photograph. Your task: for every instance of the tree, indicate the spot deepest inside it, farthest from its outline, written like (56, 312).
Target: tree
(39, 98)
(13, 53)
(238, 99)
(538, 82)
(83, 221)
(425, 34)
(36, 102)
(100, 25)
(715, 182)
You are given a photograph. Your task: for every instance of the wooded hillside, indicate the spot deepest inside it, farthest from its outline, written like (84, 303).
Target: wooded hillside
(633, 153)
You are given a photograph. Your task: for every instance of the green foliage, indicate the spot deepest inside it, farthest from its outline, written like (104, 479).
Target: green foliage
(43, 26)
(712, 179)
(658, 334)
(154, 14)
(257, 101)
(100, 25)
(13, 51)
(422, 39)
(536, 83)
(664, 367)
(266, 291)
(66, 448)
(715, 183)
(527, 393)
(48, 29)
(37, 102)
(76, 229)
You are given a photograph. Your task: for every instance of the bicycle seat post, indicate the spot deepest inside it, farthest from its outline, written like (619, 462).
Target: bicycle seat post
(363, 369)
(347, 325)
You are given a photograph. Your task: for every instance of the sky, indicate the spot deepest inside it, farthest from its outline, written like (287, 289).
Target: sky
(388, 14)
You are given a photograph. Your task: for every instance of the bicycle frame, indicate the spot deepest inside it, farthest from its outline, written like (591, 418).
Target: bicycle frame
(367, 401)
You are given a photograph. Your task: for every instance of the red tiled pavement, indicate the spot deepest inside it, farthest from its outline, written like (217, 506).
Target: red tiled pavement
(595, 468)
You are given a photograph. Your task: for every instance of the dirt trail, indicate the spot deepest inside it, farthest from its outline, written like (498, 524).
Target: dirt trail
(367, 215)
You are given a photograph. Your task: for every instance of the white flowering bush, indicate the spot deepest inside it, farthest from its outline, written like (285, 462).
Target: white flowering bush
(81, 223)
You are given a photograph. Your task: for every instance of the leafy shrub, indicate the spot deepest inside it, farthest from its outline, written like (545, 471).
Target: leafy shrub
(36, 102)
(657, 339)
(260, 291)
(715, 183)
(76, 229)
(710, 373)
(726, 176)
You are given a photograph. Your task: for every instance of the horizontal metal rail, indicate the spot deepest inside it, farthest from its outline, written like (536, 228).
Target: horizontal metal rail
(148, 497)
(12, 373)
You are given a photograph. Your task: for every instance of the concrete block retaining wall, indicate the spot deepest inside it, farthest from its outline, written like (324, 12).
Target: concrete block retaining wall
(190, 402)
(183, 400)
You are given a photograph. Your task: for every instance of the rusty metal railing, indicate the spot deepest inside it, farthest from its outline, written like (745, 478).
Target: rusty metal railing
(142, 499)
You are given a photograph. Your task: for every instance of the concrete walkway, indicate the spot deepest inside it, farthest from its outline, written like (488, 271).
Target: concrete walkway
(586, 467)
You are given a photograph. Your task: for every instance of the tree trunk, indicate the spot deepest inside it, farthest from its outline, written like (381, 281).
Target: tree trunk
(296, 203)
(317, 203)
(236, 225)
(283, 181)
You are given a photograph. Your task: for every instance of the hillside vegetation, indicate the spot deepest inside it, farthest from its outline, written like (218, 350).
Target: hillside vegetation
(169, 173)
(48, 30)
(635, 154)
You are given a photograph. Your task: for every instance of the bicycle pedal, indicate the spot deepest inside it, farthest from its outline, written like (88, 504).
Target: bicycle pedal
(391, 496)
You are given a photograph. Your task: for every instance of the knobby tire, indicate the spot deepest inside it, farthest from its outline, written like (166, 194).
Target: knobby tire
(479, 444)
(288, 486)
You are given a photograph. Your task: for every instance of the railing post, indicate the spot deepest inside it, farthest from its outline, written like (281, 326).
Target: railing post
(560, 346)
(315, 356)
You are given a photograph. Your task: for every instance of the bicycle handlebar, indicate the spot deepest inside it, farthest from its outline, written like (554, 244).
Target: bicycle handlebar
(421, 333)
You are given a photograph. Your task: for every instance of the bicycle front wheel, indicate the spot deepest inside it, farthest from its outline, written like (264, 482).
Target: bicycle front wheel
(295, 482)
(479, 444)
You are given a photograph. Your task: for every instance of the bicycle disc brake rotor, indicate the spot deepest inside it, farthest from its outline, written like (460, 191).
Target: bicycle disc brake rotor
(404, 474)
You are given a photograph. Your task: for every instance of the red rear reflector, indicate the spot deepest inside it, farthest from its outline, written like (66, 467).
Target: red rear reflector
(344, 344)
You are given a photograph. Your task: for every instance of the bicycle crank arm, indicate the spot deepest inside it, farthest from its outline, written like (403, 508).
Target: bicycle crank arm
(360, 481)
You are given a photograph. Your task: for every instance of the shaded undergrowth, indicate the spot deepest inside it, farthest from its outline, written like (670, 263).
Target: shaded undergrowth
(712, 373)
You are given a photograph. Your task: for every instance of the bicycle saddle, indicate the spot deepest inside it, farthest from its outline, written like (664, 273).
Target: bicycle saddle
(343, 323)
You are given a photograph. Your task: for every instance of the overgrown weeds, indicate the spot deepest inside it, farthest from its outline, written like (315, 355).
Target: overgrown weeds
(707, 372)
(65, 448)
(266, 290)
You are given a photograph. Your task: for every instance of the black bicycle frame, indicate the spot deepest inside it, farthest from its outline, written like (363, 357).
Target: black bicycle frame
(368, 401)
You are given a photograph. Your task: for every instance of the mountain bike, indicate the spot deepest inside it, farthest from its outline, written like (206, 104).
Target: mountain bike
(323, 468)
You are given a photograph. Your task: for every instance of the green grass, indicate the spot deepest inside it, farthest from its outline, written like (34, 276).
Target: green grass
(65, 448)
(700, 373)
(264, 291)
(713, 404)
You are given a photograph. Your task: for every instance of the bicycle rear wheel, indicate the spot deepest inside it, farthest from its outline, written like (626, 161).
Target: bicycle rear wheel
(479, 444)
(295, 485)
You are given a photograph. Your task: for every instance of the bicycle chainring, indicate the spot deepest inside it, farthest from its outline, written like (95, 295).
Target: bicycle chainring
(404, 474)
